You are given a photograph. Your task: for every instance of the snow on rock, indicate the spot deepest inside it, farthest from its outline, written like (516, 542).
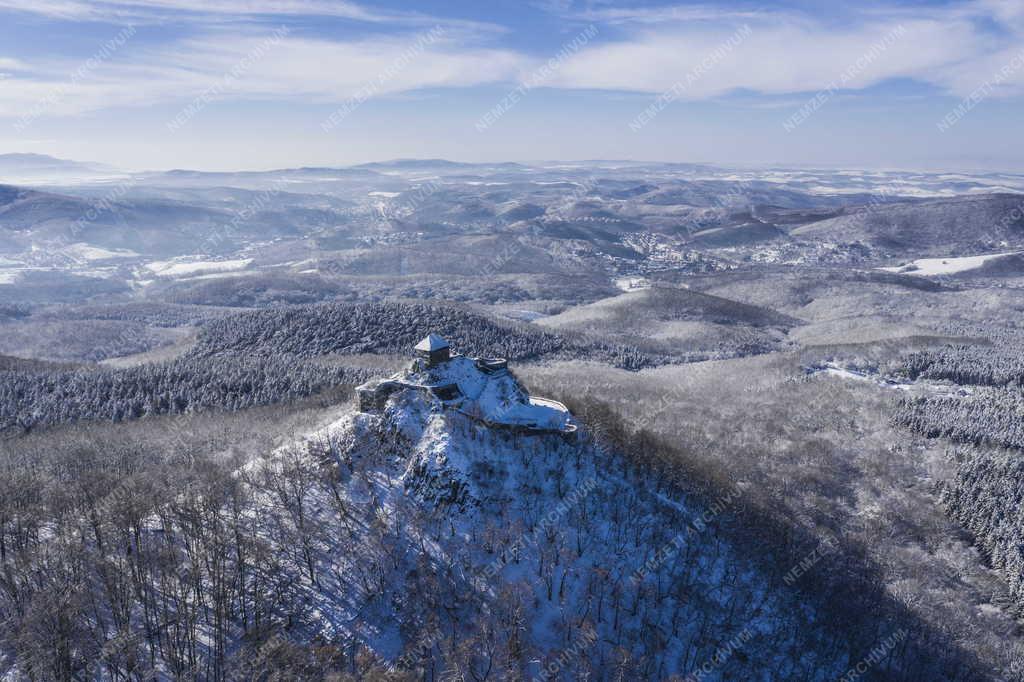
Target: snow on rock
(493, 396)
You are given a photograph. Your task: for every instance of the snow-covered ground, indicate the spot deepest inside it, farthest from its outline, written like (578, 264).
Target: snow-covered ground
(524, 315)
(945, 266)
(920, 387)
(632, 283)
(184, 267)
(82, 251)
(387, 195)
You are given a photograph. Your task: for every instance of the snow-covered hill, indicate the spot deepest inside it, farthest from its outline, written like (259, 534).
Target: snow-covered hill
(445, 543)
(938, 227)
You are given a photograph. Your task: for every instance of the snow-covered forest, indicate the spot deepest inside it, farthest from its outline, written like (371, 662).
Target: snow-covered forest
(680, 423)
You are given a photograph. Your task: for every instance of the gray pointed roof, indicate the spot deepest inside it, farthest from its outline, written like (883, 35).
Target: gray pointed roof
(431, 343)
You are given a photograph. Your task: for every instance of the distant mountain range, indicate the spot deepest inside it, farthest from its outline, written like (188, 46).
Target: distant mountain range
(427, 225)
(27, 167)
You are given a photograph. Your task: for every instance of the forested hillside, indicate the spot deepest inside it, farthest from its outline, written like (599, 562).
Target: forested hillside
(33, 396)
(396, 328)
(989, 416)
(992, 364)
(986, 492)
(987, 498)
(965, 224)
(155, 314)
(990, 407)
(206, 557)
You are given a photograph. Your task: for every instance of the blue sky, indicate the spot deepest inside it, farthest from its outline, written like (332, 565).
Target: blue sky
(224, 84)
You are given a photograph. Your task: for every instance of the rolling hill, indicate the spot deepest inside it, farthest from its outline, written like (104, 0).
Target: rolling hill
(701, 325)
(939, 227)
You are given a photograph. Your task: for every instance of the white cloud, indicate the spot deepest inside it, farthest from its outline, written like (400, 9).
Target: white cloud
(669, 13)
(143, 11)
(328, 70)
(10, 64)
(82, 9)
(1007, 12)
(791, 53)
(955, 50)
(286, 68)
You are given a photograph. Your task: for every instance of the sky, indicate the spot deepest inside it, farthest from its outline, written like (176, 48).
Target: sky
(259, 84)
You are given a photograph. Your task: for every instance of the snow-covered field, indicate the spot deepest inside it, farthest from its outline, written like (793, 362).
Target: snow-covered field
(88, 252)
(525, 315)
(945, 266)
(919, 387)
(184, 268)
(632, 283)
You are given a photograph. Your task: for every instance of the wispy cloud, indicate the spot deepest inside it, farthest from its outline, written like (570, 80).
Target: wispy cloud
(668, 13)
(789, 53)
(954, 49)
(142, 11)
(298, 67)
(9, 64)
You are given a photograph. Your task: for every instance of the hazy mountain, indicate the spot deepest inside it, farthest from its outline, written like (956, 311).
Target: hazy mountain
(21, 168)
(152, 226)
(254, 178)
(440, 165)
(32, 217)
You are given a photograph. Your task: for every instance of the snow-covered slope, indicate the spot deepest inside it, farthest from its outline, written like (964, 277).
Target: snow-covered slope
(946, 266)
(442, 541)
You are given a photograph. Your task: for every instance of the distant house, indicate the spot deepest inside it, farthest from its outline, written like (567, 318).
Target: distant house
(433, 350)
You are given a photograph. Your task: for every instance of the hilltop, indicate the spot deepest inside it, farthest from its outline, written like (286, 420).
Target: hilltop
(479, 388)
(528, 551)
(679, 320)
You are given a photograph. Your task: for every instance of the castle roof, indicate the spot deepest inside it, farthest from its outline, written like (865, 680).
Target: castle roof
(431, 343)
